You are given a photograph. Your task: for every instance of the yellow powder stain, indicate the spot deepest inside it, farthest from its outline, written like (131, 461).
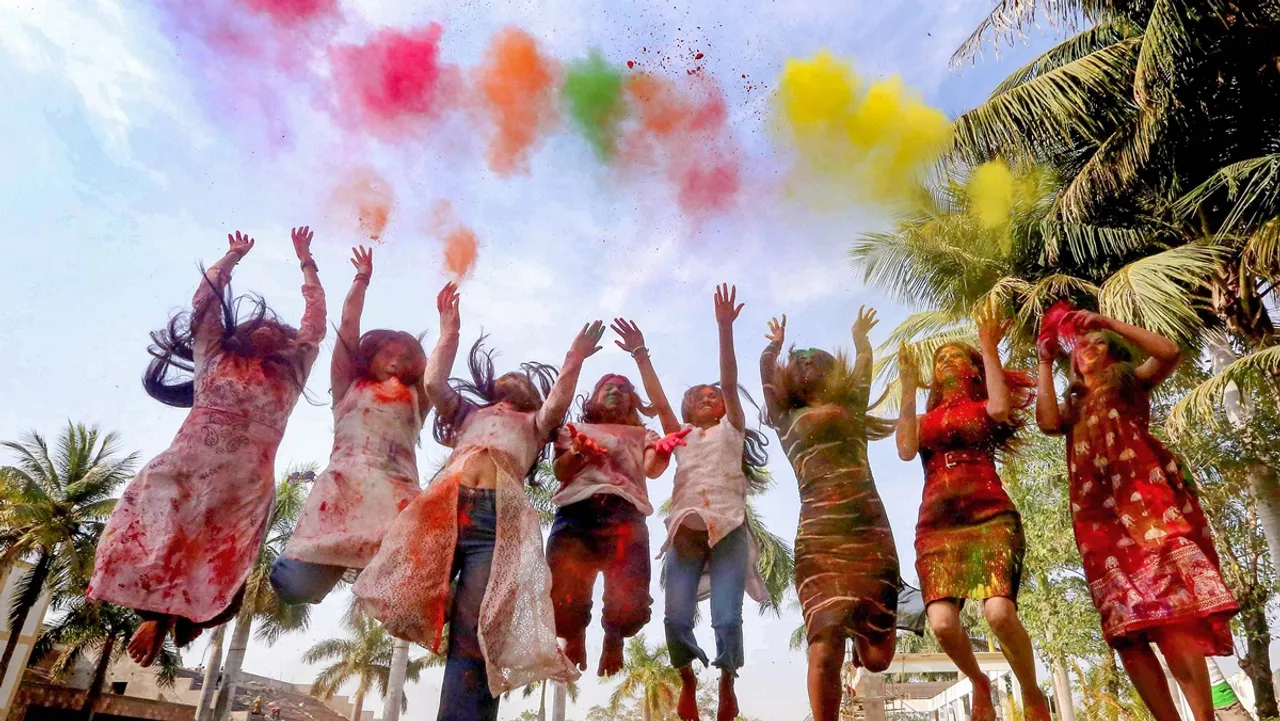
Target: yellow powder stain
(992, 193)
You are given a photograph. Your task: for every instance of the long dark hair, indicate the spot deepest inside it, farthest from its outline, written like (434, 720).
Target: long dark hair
(1121, 373)
(840, 386)
(373, 341)
(593, 413)
(478, 392)
(1021, 394)
(755, 457)
(170, 377)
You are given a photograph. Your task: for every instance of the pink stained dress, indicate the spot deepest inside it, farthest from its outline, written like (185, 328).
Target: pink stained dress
(407, 584)
(620, 472)
(372, 476)
(185, 533)
(710, 493)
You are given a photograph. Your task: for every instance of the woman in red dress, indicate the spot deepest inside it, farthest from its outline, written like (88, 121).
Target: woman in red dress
(1148, 555)
(969, 541)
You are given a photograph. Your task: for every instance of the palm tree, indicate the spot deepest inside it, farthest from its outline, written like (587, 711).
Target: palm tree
(571, 689)
(53, 506)
(260, 601)
(366, 658)
(648, 678)
(102, 628)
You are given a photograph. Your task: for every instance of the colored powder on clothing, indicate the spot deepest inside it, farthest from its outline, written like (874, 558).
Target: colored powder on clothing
(872, 142)
(593, 90)
(292, 12)
(395, 83)
(991, 193)
(365, 197)
(460, 242)
(515, 83)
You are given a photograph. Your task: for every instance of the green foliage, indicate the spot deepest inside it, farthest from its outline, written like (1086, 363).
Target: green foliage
(363, 657)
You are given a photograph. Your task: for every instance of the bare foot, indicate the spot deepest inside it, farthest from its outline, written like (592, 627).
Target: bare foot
(687, 709)
(576, 649)
(728, 710)
(1036, 706)
(983, 709)
(610, 656)
(147, 641)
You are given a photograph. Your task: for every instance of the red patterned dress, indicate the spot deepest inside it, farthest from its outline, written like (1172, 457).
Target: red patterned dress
(969, 541)
(1148, 554)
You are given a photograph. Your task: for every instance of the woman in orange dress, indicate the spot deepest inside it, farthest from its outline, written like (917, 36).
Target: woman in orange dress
(1148, 554)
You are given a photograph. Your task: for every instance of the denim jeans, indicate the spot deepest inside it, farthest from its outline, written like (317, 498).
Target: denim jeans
(689, 555)
(301, 582)
(602, 534)
(464, 694)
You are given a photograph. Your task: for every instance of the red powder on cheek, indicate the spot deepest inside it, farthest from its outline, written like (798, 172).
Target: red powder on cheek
(394, 81)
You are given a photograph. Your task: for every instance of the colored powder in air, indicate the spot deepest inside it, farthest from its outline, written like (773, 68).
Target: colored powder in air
(593, 91)
(991, 193)
(709, 186)
(366, 198)
(515, 82)
(460, 242)
(873, 141)
(292, 12)
(394, 84)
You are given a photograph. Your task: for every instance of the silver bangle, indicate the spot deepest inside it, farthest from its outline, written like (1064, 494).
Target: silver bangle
(637, 350)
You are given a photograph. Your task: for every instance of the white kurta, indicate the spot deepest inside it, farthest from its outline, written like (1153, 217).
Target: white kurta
(372, 476)
(619, 472)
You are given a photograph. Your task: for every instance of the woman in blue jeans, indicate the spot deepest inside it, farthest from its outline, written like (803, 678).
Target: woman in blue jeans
(708, 543)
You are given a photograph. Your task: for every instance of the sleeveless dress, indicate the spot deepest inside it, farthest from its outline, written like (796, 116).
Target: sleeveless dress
(372, 475)
(969, 540)
(407, 584)
(187, 530)
(710, 492)
(1148, 553)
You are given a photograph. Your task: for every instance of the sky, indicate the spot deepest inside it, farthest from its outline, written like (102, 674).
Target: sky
(129, 151)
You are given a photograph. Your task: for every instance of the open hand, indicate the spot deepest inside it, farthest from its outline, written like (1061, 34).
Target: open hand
(302, 242)
(1084, 321)
(239, 244)
(632, 338)
(587, 343)
(582, 445)
(992, 328)
(668, 443)
(362, 259)
(447, 304)
(865, 322)
(727, 306)
(908, 366)
(777, 331)
(1048, 349)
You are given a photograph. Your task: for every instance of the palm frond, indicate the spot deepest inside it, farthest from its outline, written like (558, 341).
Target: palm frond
(1198, 407)
(1085, 242)
(1106, 33)
(1170, 44)
(1252, 185)
(1085, 99)
(1113, 168)
(1008, 21)
(776, 562)
(1158, 292)
(327, 649)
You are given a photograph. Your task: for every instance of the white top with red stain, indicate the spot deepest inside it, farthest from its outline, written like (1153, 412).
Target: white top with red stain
(187, 529)
(710, 493)
(620, 471)
(371, 477)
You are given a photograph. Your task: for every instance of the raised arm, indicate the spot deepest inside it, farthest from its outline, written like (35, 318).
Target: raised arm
(552, 411)
(206, 311)
(1163, 354)
(727, 310)
(312, 328)
(864, 357)
(1048, 412)
(908, 435)
(342, 371)
(632, 341)
(991, 330)
(439, 392)
(776, 336)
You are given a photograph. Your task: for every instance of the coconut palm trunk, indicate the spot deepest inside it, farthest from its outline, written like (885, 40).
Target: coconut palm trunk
(235, 659)
(1062, 690)
(21, 608)
(357, 704)
(213, 665)
(559, 700)
(395, 684)
(99, 677)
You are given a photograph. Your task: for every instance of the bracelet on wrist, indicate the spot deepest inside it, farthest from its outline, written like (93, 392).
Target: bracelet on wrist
(309, 263)
(362, 276)
(635, 352)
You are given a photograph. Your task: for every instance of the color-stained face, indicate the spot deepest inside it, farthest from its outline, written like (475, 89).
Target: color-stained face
(516, 390)
(267, 339)
(1091, 354)
(398, 359)
(953, 365)
(810, 366)
(707, 406)
(613, 395)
